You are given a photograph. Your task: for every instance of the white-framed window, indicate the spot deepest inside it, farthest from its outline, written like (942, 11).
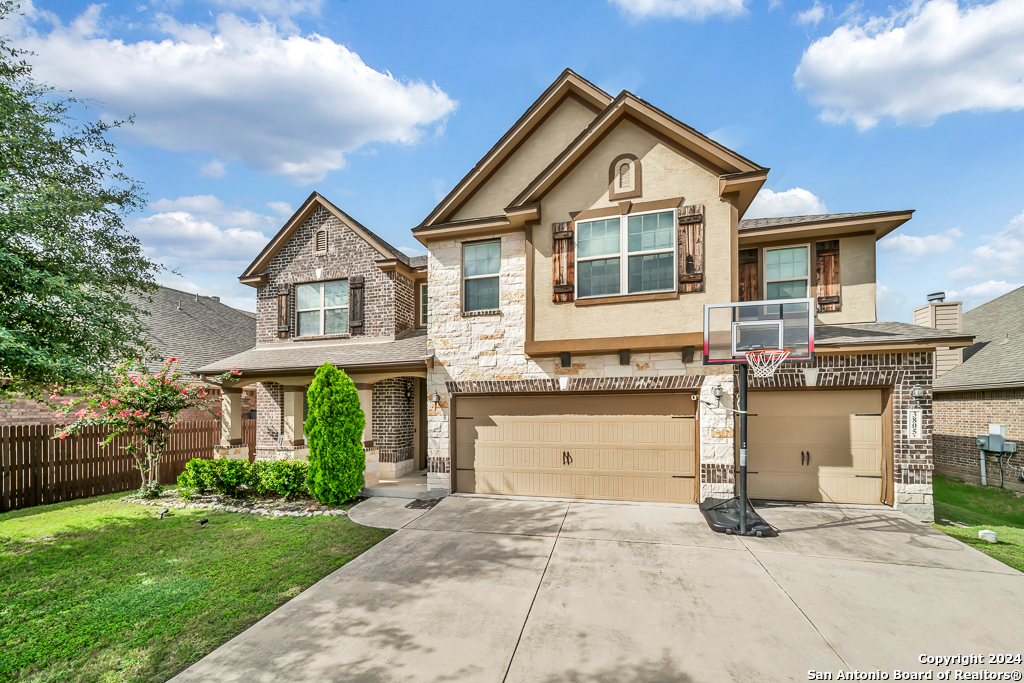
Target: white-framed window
(787, 272)
(424, 300)
(637, 249)
(322, 308)
(481, 263)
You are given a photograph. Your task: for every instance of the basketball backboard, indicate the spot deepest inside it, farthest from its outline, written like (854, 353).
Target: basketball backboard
(730, 330)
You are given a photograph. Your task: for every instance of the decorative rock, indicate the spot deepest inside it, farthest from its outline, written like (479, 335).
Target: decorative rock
(988, 536)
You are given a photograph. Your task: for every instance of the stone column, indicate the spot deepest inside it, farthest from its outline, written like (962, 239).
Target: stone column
(293, 423)
(231, 416)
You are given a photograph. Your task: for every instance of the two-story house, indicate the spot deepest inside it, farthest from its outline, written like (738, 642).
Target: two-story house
(568, 272)
(328, 290)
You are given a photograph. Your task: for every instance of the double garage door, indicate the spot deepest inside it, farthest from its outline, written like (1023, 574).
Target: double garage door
(607, 447)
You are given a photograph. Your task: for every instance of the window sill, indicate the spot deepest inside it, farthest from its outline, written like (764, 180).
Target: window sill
(626, 298)
(473, 314)
(322, 337)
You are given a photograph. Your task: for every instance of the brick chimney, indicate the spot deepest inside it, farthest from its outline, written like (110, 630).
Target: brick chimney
(942, 315)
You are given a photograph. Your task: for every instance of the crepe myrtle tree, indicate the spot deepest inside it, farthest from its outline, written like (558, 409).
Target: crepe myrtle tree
(138, 405)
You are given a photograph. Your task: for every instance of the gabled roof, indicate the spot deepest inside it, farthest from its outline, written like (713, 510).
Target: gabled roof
(725, 161)
(567, 82)
(313, 202)
(997, 356)
(195, 330)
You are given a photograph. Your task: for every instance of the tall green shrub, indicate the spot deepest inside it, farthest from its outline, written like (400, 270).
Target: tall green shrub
(335, 431)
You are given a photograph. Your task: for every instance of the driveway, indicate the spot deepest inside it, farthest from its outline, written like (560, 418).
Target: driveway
(492, 589)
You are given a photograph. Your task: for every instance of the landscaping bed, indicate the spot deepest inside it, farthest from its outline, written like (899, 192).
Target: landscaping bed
(300, 506)
(103, 590)
(963, 509)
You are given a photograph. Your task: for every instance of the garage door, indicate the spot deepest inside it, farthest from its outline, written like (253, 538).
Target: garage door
(610, 447)
(824, 446)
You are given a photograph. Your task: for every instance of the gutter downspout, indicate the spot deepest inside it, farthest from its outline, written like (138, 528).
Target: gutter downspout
(984, 480)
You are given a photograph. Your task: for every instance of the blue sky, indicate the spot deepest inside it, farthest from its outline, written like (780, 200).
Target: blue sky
(383, 106)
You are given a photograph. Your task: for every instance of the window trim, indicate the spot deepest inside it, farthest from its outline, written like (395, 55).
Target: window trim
(422, 311)
(624, 254)
(323, 309)
(764, 270)
(463, 277)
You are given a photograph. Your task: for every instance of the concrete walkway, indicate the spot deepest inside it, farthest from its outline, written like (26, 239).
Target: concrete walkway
(492, 589)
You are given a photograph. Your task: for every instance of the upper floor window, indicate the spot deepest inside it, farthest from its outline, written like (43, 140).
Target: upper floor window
(424, 299)
(322, 308)
(481, 263)
(638, 250)
(786, 272)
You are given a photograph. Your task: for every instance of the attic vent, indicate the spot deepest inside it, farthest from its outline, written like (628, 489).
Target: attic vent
(625, 177)
(321, 241)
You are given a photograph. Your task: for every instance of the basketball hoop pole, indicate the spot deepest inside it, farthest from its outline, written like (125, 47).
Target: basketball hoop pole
(743, 449)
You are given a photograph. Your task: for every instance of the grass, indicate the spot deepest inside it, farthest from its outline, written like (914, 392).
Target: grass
(100, 590)
(982, 508)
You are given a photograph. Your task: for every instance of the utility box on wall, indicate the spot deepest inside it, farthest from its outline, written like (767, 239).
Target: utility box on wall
(995, 441)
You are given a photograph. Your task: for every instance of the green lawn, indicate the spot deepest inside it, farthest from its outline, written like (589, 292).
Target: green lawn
(982, 508)
(100, 590)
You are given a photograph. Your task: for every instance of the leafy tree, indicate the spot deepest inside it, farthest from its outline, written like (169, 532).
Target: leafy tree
(335, 430)
(142, 407)
(68, 266)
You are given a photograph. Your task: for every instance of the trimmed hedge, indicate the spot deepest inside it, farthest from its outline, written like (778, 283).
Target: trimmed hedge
(286, 478)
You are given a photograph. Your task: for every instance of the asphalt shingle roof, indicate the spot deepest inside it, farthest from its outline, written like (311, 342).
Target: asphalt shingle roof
(853, 334)
(755, 223)
(408, 347)
(997, 356)
(418, 261)
(201, 331)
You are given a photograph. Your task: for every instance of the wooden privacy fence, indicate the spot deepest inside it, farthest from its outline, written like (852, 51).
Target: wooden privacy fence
(36, 469)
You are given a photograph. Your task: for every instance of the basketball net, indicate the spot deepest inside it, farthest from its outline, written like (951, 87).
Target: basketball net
(764, 362)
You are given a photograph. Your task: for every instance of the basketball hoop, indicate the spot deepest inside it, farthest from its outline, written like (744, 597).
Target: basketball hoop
(764, 362)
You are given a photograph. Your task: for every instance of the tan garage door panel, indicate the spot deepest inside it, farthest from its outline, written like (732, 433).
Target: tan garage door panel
(622, 447)
(816, 445)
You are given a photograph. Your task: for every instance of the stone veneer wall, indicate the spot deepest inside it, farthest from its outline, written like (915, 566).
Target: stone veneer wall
(961, 416)
(487, 353)
(393, 420)
(912, 458)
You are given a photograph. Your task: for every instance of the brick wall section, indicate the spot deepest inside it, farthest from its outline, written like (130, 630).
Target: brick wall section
(393, 420)
(347, 255)
(269, 416)
(963, 415)
(912, 458)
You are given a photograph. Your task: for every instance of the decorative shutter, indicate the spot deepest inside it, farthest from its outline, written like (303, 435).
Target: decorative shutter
(283, 319)
(563, 262)
(691, 248)
(828, 292)
(748, 276)
(356, 299)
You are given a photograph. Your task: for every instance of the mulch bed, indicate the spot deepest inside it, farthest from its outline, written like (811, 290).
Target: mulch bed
(273, 507)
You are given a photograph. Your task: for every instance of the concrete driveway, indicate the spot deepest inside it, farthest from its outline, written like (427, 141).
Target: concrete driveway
(491, 589)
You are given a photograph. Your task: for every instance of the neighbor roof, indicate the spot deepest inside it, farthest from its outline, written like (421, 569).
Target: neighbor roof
(872, 334)
(997, 356)
(195, 330)
(407, 348)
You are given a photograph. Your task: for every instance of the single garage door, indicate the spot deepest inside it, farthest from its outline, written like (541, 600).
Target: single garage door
(823, 446)
(610, 447)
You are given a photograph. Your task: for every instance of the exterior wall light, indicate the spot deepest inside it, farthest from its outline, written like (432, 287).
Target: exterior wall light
(435, 399)
(717, 391)
(408, 394)
(917, 392)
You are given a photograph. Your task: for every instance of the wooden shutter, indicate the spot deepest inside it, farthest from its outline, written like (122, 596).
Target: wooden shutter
(283, 319)
(748, 276)
(828, 291)
(356, 299)
(691, 248)
(563, 262)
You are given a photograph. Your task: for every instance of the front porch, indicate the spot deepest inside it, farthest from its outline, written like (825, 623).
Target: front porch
(411, 485)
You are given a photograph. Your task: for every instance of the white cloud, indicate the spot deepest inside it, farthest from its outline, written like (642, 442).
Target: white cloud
(1004, 251)
(681, 9)
(284, 105)
(282, 209)
(412, 251)
(794, 202)
(888, 300)
(985, 291)
(918, 63)
(913, 245)
(812, 15)
(281, 10)
(213, 169)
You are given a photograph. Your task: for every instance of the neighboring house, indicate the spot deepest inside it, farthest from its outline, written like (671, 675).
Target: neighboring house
(986, 388)
(194, 329)
(328, 290)
(568, 273)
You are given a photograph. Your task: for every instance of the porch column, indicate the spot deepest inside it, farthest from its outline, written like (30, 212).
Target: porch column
(231, 416)
(366, 403)
(293, 423)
